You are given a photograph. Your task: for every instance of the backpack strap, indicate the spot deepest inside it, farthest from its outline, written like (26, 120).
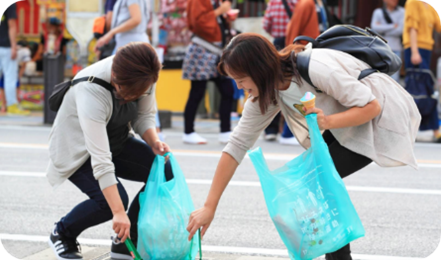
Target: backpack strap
(303, 59)
(365, 73)
(287, 9)
(308, 39)
(95, 80)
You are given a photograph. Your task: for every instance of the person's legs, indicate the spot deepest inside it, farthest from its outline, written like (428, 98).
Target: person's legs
(197, 93)
(2, 94)
(396, 75)
(10, 74)
(273, 128)
(90, 212)
(279, 43)
(134, 163)
(346, 162)
(226, 88)
(286, 131)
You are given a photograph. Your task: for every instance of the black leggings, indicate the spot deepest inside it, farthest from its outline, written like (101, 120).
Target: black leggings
(197, 93)
(346, 162)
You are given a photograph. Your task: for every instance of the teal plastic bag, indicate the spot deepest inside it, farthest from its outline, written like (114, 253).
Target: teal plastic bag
(163, 217)
(307, 200)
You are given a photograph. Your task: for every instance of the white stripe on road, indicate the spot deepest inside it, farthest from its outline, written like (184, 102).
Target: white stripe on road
(257, 184)
(222, 249)
(209, 154)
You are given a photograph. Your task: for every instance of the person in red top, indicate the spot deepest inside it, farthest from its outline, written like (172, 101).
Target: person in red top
(275, 22)
(208, 21)
(311, 18)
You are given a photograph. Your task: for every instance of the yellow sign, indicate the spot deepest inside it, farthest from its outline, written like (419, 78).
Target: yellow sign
(88, 6)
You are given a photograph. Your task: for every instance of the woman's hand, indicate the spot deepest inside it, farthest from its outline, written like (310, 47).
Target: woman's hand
(105, 39)
(121, 225)
(322, 120)
(416, 58)
(200, 218)
(160, 148)
(223, 8)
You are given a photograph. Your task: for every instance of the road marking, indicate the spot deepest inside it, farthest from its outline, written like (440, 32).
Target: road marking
(216, 154)
(257, 184)
(206, 248)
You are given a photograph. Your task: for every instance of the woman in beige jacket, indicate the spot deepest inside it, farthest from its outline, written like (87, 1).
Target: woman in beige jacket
(371, 120)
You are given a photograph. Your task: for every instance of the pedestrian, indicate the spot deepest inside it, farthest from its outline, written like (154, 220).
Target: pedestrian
(374, 119)
(389, 22)
(421, 20)
(52, 41)
(8, 60)
(23, 57)
(276, 19)
(206, 20)
(129, 24)
(311, 17)
(101, 26)
(91, 145)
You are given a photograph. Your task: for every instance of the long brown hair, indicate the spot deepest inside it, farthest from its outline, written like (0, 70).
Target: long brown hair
(136, 68)
(250, 54)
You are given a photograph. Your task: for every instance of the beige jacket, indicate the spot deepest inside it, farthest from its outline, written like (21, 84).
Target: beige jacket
(388, 139)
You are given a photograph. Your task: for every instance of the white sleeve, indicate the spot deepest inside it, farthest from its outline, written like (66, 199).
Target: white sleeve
(94, 108)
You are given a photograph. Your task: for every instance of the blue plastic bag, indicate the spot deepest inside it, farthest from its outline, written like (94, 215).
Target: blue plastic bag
(307, 200)
(163, 217)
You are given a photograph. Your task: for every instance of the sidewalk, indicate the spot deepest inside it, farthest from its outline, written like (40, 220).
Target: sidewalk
(102, 253)
(203, 126)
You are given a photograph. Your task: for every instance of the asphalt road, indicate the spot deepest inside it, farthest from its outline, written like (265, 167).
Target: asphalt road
(400, 207)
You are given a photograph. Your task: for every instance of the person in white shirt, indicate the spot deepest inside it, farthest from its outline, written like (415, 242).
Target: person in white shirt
(389, 22)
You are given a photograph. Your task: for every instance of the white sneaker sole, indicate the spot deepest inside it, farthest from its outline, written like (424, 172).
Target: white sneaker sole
(116, 256)
(56, 254)
(185, 142)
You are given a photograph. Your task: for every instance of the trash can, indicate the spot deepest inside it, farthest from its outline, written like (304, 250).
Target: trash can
(53, 67)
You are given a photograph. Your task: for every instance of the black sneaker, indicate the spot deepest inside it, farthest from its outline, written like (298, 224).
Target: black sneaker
(64, 249)
(119, 251)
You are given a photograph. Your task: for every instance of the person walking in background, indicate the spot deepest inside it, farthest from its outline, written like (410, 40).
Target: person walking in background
(206, 20)
(389, 22)
(309, 19)
(8, 60)
(23, 56)
(420, 22)
(276, 19)
(52, 42)
(129, 24)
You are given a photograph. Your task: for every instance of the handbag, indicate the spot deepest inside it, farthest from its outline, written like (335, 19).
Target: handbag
(60, 90)
(308, 201)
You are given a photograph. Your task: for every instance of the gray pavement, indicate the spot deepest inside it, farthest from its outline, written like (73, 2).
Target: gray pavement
(402, 220)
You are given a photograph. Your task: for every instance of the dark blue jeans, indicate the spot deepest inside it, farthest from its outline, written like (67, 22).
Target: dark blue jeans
(134, 164)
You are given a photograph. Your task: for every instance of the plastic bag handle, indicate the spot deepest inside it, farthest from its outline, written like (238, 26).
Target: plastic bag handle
(132, 249)
(200, 246)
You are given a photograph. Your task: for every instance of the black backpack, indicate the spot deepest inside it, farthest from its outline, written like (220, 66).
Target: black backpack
(365, 45)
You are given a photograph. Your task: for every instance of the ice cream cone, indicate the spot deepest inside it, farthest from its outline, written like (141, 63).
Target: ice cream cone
(308, 100)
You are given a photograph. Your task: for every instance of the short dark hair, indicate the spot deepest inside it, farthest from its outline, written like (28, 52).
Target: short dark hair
(251, 54)
(136, 68)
